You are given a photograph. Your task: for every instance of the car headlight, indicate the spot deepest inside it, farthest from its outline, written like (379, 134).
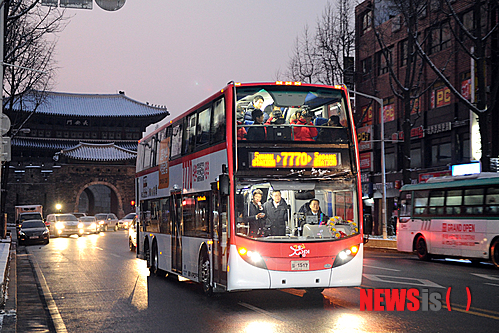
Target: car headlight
(93, 226)
(21, 233)
(46, 231)
(101, 222)
(59, 225)
(80, 225)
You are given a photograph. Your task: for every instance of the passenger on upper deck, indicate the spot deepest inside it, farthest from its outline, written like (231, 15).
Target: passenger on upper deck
(256, 104)
(241, 131)
(330, 134)
(305, 133)
(276, 118)
(255, 132)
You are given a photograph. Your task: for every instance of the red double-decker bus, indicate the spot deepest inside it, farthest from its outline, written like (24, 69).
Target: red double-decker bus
(256, 187)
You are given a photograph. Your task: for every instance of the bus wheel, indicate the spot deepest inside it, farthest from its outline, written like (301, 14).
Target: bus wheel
(204, 273)
(154, 262)
(494, 252)
(421, 249)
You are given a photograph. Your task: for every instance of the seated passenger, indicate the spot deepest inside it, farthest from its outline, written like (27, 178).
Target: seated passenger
(313, 214)
(328, 134)
(305, 133)
(295, 117)
(241, 131)
(256, 104)
(257, 133)
(276, 118)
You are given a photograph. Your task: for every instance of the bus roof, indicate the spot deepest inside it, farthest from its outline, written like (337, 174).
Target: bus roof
(484, 178)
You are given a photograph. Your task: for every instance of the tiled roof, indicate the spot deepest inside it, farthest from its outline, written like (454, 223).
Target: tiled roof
(98, 152)
(89, 105)
(61, 144)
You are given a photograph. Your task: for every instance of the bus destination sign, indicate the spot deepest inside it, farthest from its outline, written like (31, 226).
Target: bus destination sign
(294, 160)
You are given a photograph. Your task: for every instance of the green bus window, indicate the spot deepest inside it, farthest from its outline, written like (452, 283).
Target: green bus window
(473, 201)
(453, 202)
(420, 202)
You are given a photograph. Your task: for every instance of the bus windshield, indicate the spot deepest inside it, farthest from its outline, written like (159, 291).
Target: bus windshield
(296, 211)
(277, 113)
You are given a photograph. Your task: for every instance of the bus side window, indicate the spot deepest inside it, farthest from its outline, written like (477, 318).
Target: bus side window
(473, 201)
(453, 202)
(437, 202)
(420, 202)
(492, 201)
(218, 121)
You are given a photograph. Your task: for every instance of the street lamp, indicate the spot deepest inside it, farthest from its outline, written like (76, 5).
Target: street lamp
(383, 168)
(58, 207)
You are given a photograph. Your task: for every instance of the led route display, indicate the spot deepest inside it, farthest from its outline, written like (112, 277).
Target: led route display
(294, 160)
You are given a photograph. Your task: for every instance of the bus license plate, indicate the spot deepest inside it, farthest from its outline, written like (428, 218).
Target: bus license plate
(301, 265)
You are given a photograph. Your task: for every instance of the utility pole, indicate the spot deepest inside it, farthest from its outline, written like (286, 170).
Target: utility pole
(383, 167)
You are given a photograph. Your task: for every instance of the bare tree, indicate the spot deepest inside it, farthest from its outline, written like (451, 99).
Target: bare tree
(407, 84)
(478, 38)
(318, 57)
(29, 42)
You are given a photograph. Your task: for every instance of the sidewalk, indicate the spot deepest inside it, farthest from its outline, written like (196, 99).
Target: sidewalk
(25, 309)
(378, 242)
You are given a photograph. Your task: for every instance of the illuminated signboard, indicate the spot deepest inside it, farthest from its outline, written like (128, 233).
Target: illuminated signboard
(294, 160)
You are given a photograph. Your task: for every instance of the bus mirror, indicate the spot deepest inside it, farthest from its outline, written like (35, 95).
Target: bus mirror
(223, 184)
(365, 238)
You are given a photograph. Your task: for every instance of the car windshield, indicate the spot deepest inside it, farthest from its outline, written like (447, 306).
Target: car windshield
(33, 224)
(65, 218)
(101, 216)
(87, 219)
(129, 216)
(297, 211)
(30, 216)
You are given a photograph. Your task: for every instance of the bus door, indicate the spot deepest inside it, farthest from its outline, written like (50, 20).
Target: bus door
(219, 227)
(176, 233)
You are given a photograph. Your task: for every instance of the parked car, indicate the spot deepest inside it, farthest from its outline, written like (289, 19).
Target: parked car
(63, 225)
(106, 221)
(33, 231)
(78, 215)
(132, 234)
(124, 223)
(88, 224)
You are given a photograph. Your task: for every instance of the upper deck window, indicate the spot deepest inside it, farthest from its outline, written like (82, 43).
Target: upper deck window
(302, 114)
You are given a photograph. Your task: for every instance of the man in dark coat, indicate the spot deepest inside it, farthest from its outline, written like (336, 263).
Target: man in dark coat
(256, 214)
(276, 211)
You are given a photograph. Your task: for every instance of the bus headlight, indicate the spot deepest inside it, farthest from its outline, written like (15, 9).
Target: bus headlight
(346, 255)
(252, 257)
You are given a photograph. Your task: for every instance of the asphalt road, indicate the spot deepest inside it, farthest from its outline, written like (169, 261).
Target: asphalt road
(95, 284)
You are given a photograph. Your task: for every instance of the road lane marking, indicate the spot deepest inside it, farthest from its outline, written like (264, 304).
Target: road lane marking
(487, 276)
(99, 248)
(492, 284)
(59, 325)
(115, 255)
(403, 280)
(256, 309)
(387, 269)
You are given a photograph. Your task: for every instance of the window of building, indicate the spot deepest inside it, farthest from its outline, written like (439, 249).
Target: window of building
(440, 37)
(390, 162)
(367, 65)
(383, 60)
(416, 158)
(367, 19)
(441, 154)
(403, 54)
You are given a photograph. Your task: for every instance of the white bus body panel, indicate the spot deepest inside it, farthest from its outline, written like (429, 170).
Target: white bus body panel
(243, 276)
(164, 251)
(349, 274)
(190, 256)
(460, 238)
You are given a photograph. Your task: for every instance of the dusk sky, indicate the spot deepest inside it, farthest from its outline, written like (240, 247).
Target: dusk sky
(177, 53)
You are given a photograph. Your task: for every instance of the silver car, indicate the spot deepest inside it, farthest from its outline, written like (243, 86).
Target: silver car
(106, 221)
(124, 223)
(89, 224)
(63, 225)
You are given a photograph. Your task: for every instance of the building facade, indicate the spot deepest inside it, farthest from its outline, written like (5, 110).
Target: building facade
(76, 150)
(442, 128)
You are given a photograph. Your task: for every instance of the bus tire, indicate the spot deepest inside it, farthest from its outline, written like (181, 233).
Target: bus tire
(422, 249)
(204, 273)
(153, 268)
(494, 252)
